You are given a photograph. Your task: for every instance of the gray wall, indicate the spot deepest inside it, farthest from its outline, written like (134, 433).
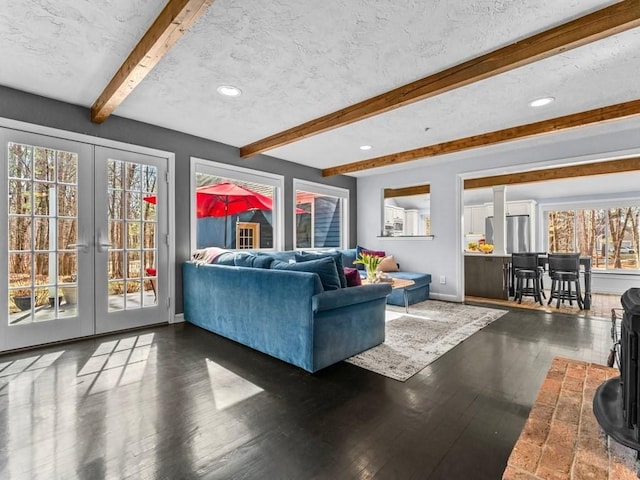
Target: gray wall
(26, 107)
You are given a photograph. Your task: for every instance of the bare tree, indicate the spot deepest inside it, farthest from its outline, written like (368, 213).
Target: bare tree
(618, 221)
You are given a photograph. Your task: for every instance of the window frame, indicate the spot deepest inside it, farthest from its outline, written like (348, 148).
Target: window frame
(233, 172)
(329, 190)
(604, 204)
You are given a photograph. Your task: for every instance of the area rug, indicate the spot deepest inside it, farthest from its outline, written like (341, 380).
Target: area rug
(415, 340)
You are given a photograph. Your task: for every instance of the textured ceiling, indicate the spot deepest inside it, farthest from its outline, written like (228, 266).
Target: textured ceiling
(296, 60)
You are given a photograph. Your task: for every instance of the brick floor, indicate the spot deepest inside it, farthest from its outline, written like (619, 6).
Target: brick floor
(561, 439)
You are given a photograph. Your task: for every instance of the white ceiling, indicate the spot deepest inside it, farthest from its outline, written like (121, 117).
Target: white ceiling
(296, 60)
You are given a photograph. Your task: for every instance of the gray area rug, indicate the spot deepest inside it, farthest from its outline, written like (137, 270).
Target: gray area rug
(416, 339)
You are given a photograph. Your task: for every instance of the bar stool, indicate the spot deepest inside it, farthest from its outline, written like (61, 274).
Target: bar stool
(564, 270)
(541, 270)
(527, 274)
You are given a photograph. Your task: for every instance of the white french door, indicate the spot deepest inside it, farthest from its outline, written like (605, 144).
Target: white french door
(83, 250)
(131, 240)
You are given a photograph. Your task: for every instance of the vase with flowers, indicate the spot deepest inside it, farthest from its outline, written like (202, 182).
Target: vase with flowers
(370, 263)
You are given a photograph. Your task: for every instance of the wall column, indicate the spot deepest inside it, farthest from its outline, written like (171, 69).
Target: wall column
(499, 220)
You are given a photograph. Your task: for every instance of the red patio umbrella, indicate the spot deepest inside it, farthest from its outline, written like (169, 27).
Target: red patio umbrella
(224, 199)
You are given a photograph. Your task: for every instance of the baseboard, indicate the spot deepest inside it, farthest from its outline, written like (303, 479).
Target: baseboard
(178, 318)
(444, 297)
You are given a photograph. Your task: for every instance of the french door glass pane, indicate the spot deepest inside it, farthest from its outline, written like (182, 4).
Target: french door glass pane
(131, 191)
(42, 232)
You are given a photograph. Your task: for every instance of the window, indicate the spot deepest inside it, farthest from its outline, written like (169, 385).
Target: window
(235, 208)
(406, 211)
(610, 236)
(320, 215)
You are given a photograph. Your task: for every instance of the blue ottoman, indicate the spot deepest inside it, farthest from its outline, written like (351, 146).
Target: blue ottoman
(415, 293)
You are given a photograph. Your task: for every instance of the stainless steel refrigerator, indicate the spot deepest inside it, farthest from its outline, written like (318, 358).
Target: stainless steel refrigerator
(518, 233)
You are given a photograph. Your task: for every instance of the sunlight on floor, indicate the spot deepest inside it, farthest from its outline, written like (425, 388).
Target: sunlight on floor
(227, 387)
(116, 363)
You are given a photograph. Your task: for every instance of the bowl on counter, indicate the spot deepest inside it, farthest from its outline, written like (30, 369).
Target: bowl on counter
(486, 248)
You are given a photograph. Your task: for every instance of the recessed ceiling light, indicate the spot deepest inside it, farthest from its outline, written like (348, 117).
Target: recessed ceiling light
(365, 147)
(229, 90)
(541, 102)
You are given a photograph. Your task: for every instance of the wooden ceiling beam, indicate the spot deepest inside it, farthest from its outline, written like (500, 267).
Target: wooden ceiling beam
(619, 165)
(581, 31)
(174, 20)
(553, 125)
(407, 191)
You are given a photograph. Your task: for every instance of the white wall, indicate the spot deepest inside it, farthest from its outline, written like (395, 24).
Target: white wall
(443, 256)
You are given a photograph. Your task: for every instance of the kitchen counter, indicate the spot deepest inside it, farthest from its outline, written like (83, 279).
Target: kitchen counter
(486, 275)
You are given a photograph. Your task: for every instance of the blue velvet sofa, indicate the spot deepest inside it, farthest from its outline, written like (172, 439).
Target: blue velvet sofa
(419, 292)
(285, 314)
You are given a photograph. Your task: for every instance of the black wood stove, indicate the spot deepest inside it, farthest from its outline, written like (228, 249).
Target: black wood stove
(617, 401)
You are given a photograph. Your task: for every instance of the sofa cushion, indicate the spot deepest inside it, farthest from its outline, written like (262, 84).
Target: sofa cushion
(420, 279)
(283, 256)
(419, 292)
(253, 261)
(337, 256)
(226, 258)
(324, 267)
(388, 264)
(353, 277)
(349, 256)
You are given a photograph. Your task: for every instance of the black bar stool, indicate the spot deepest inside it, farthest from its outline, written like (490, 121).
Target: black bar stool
(527, 275)
(564, 270)
(541, 270)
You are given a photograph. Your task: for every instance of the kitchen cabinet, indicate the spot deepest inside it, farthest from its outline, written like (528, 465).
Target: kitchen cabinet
(520, 208)
(474, 219)
(393, 220)
(475, 215)
(486, 276)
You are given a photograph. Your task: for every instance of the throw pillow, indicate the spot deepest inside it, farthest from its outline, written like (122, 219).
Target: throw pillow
(324, 267)
(388, 264)
(353, 277)
(337, 256)
(375, 253)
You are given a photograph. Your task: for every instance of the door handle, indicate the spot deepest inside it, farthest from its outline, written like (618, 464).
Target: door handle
(103, 247)
(79, 246)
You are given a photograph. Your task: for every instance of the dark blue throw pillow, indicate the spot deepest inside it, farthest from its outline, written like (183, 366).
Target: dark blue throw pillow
(337, 256)
(324, 267)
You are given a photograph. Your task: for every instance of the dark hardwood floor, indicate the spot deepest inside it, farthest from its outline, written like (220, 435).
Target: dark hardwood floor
(177, 402)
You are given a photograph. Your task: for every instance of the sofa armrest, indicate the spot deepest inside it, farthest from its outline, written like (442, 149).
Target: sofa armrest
(349, 296)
